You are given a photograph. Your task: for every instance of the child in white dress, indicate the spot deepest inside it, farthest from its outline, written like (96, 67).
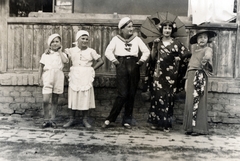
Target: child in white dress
(81, 77)
(52, 77)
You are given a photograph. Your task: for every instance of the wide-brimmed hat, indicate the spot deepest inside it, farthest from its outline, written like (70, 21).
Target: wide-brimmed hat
(211, 34)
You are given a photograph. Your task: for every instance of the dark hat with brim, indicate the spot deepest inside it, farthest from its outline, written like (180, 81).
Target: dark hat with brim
(211, 34)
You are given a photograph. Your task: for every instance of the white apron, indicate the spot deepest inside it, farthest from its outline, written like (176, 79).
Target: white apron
(80, 92)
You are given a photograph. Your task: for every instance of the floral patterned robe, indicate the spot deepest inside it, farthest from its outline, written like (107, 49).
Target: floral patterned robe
(164, 78)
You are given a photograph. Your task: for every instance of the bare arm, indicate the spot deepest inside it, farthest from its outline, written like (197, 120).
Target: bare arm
(99, 63)
(63, 57)
(208, 56)
(40, 72)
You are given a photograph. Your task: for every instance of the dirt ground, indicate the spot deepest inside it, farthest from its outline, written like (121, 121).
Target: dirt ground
(47, 152)
(107, 146)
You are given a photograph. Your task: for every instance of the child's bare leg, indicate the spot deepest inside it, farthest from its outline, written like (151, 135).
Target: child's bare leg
(54, 106)
(85, 119)
(85, 114)
(53, 110)
(72, 114)
(46, 109)
(72, 118)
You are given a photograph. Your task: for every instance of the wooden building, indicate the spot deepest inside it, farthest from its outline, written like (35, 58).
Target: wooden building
(139, 7)
(23, 40)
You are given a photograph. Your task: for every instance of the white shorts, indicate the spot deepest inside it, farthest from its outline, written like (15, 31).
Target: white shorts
(53, 81)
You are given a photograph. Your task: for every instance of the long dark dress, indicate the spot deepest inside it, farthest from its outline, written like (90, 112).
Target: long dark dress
(202, 113)
(164, 78)
(201, 118)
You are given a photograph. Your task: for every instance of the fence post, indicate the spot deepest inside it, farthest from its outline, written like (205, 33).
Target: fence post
(237, 71)
(4, 13)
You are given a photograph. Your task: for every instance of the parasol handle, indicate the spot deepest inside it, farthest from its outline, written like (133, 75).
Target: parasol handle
(154, 49)
(158, 68)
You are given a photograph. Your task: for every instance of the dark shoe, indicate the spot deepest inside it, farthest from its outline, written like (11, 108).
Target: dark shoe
(53, 125)
(106, 124)
(195, 134)
(86, 124)
(70, 123)
(188, 133)
(166, 129)
(127, 126)
(153, 127)
(46, 124)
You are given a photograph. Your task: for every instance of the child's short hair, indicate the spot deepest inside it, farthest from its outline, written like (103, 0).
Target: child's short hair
(210, 34)
(168, 23)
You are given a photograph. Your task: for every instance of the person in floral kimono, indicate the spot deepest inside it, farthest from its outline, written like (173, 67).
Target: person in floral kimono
(195, 120)
(165, 75)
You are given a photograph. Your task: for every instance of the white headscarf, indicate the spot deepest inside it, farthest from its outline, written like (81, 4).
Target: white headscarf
(51, 37)
(79, 34)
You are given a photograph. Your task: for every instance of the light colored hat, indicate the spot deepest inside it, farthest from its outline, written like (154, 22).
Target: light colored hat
(211, 34)
(80, 33)
(123, 22)
(51, 37)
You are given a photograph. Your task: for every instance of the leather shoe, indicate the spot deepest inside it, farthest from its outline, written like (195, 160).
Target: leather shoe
(106, 124)
(153, 127)
(188, 133)
(86, 124)
(195, 134)
(127, 126)
(46, 124)
(166, 129)
(70, 123)
(54, 125)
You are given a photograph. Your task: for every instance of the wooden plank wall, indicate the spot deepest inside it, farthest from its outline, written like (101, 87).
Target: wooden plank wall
(4, 10)
(28, 40)
(224, 47)
(237, 58)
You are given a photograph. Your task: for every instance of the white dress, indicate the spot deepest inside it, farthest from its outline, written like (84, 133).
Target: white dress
(81, 77)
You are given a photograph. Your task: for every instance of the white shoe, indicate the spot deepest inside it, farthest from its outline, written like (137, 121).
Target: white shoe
(106, 124)
(127, 125)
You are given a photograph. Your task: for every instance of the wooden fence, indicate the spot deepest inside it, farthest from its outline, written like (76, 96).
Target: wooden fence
(224, 47)
(26, 40)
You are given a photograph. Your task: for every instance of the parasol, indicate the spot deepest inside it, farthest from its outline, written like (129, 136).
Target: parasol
(150, 27)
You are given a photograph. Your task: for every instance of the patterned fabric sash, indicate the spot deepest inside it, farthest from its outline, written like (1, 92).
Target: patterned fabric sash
(199, 83)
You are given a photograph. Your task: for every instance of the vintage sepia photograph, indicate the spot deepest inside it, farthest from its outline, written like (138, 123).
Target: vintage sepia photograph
(119, 80)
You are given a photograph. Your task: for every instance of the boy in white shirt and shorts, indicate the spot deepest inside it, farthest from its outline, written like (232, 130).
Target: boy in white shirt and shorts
(52, 78)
